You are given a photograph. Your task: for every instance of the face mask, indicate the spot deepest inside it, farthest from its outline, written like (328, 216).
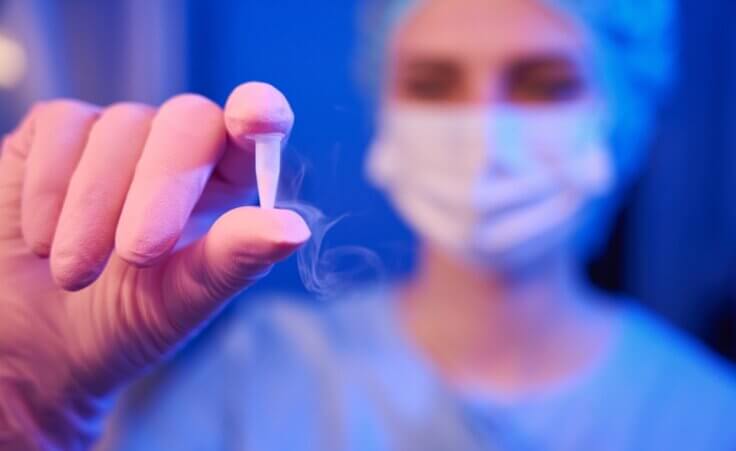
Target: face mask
(499, 186)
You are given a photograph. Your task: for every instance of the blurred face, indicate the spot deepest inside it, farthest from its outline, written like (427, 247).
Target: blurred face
(490, 141)
(480, 52)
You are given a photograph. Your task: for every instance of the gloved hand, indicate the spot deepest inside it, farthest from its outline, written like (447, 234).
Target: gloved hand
(121, 234)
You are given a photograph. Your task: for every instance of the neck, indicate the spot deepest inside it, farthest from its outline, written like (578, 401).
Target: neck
(501, 327)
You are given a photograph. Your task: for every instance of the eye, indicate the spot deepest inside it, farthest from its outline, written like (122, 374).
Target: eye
(544, 80)
(428, 80)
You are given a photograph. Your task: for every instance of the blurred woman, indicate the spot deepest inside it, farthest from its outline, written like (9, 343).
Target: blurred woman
(505, 127)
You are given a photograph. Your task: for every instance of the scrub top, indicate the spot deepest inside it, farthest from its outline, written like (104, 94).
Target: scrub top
(288, 374)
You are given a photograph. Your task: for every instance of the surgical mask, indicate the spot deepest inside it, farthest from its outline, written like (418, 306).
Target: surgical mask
(495, 185)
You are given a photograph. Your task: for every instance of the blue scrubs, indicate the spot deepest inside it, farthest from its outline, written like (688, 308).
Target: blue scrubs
(285, 375)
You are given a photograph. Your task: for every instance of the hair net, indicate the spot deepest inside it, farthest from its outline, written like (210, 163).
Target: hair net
(633, 50)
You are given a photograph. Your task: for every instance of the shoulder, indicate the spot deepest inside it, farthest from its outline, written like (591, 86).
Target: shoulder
(687, 391)
(663, 349)
(657, 389)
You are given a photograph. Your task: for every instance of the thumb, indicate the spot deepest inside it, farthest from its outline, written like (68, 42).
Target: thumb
(240, 248)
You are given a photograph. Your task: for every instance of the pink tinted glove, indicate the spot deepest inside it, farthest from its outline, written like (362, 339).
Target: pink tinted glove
(109, 258)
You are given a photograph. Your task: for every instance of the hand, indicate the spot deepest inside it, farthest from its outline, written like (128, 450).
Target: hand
(121, 234)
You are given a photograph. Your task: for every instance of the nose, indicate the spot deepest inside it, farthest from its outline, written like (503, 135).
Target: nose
(484, 87)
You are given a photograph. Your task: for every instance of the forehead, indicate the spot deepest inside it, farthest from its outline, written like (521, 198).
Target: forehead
(487, 29)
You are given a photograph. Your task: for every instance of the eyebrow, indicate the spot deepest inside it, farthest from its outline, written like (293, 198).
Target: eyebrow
(529, 65)
(432, 66)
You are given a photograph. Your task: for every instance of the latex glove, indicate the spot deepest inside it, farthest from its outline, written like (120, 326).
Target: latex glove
(107, 258)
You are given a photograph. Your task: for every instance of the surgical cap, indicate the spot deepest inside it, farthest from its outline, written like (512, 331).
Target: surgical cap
(633, 45)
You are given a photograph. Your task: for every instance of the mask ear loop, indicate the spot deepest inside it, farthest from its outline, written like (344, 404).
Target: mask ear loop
(593, 171)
